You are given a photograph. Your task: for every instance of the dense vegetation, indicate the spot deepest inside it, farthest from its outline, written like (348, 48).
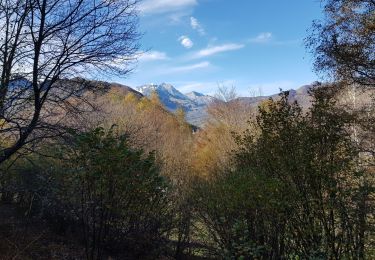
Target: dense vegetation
(293, 183)
(120, 177)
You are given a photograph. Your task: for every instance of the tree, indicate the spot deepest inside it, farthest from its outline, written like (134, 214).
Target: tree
(225, 93)
(45, 41)
(180, 115)
(344, 42)
(117, 192)
(295, 188)
(227, 114)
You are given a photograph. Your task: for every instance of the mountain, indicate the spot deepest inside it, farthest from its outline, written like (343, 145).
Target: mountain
(194, 104)
(104, 86)
(300, 95)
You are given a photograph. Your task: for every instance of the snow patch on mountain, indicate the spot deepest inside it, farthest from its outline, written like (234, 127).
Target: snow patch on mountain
(194, 104)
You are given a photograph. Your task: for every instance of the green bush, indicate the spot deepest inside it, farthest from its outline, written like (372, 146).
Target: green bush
(295, 190)
(117, 193)
(96, 187)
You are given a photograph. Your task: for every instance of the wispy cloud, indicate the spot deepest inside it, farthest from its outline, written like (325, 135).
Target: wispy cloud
(209, 51)
(186, 42)
(187, 68)
(164, 6)
(262, 38)
(195, 24)
(152, 56)
(208, 88)
(191, 86)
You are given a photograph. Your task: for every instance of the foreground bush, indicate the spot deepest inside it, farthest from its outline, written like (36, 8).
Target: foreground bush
(117, 193)
(296, 188)
(108, 194)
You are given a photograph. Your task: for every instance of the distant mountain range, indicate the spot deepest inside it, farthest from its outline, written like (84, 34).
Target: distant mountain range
(195, 104)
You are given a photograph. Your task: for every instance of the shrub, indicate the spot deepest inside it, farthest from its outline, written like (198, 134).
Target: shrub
(117, 194)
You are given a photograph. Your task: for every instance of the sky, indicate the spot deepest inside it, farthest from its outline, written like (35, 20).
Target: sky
(257, 46)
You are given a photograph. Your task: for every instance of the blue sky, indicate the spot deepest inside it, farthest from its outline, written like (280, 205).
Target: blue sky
(254, 45)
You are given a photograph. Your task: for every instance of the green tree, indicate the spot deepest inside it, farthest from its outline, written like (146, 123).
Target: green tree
(294, 189)
(117, 193)
(344, 41)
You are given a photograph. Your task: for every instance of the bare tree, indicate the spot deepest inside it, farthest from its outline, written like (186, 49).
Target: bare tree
(225, 93)
(45, 42)
(227, 108)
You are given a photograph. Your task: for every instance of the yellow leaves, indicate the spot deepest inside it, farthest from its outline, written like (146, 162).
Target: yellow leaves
(266, 104)
(214, 144)
(212, 150)
(155, 99)
(150, 127)
(131, 98)
(5, 140)
(180, 114)
(3, 123)
(181, 120)
(151, 103)
(143, 104)
(204, 161)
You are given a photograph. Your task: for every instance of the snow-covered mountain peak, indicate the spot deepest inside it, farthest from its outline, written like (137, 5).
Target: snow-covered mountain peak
(163, 89)
(147, 89)
(193, 103)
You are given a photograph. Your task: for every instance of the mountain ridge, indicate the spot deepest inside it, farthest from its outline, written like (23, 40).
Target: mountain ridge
(195, 104)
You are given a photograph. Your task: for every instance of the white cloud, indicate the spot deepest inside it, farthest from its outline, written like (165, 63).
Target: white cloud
(194, 23)
(152, 56)
(207, 88)
(186, 42)
(262, 37)
(178, 18)
(197, 26)
(201, 65)
(218, 49)
(164, 6)
(191, 86)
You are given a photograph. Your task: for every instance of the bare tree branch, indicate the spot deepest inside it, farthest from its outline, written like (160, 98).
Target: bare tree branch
(45, 42)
